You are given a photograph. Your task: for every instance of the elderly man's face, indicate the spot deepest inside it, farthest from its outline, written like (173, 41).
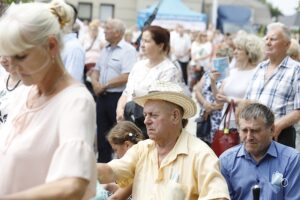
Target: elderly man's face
(275, 43)
(158, 119)
(110, 32)
(255, 136)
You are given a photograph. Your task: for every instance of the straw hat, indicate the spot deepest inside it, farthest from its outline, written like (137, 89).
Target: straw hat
(172, 93)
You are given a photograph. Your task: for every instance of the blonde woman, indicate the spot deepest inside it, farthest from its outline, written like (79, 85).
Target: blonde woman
(46, 145)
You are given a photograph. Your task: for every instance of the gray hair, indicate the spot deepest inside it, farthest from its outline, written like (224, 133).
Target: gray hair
(118, 25)
(24, 26)
(285, 30)
(257, 111)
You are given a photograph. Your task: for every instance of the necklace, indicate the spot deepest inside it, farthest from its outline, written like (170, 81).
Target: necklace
(7, 81)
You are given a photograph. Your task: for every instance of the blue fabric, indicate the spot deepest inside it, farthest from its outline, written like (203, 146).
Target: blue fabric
(242, 172)
(73, 56)
(170, 10)
(233, 14)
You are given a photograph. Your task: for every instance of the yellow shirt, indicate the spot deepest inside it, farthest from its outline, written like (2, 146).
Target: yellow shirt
(191, 169)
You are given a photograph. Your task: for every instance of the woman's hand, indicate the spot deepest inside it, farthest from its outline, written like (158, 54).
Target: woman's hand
(221, 98)
(214, 75)
(208, 107)
(120, 114)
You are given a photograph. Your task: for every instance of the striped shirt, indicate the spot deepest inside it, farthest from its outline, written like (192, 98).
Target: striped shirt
(281, 91)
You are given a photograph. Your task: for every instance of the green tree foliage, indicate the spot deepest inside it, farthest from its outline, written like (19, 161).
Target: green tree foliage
(275, 12)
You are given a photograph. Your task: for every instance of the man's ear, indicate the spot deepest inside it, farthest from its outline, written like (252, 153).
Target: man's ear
(176, 115)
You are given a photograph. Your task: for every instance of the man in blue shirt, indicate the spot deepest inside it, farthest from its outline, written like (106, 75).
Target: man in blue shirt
(259, 160)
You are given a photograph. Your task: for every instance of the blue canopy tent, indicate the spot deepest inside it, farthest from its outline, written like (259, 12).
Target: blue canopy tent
(171, 13)
(231, 18)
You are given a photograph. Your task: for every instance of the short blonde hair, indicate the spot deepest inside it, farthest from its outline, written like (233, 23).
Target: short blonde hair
(252, 44)
(29, 24)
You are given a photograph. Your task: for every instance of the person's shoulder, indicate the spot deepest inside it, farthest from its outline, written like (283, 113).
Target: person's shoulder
(76, 91)
(127, 46)
(197, 146)
(231, 153)
(286, 152)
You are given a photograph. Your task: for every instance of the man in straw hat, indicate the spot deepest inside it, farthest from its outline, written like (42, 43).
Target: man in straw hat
(171, 164)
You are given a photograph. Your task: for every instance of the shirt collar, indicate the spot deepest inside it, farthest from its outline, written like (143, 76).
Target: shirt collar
(271, 151)
(181, 147)
(120, 44)
(284, 63)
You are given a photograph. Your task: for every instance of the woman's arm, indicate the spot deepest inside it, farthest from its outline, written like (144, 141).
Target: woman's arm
(120, 108)
(66, 188)
(213, 82)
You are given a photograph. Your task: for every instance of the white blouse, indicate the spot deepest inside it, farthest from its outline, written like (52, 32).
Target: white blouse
(142, 77)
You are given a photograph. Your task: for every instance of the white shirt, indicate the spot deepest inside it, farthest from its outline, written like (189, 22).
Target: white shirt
(142, 77)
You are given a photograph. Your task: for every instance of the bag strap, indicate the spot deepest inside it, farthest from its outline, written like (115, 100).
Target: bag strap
(231, 111)
(223, 118)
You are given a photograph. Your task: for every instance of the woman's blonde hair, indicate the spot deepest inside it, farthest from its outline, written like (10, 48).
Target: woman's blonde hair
(252, 44)
(125, 131)
(26, 25)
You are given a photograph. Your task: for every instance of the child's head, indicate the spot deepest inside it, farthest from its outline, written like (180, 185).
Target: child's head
(122, 136)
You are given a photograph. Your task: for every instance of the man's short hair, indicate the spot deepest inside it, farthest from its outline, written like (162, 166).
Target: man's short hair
(257, 111)
(285, 30)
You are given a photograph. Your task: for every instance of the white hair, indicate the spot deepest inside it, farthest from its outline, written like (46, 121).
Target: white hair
(24, 26)
(285, 30)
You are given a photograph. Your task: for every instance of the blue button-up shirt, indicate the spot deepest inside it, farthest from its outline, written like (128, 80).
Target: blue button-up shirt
(73, 56)
(281, 91)
(242, 172)
(115, 61)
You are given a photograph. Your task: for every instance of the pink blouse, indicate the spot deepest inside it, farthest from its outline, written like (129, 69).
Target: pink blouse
(48, 143)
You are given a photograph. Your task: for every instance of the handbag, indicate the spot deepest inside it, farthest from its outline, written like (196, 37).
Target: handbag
(135, 113)
(203, 129)
(228, 137)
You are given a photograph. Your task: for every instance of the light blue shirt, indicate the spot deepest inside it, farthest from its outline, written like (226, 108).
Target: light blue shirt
(115, 61)
(242, 172)
(73, 56)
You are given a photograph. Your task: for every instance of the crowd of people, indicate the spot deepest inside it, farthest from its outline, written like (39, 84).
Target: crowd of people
(88, 115)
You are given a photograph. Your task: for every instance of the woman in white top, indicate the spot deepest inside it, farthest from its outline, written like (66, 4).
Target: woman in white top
(155, 46)
(46, 144)
(247, 54)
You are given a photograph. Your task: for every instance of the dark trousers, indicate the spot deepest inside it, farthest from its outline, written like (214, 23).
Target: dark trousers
(183, 66)
(288, 137)
(106, 119)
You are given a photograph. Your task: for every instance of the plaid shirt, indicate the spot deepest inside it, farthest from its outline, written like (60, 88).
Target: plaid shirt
(281, 92)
